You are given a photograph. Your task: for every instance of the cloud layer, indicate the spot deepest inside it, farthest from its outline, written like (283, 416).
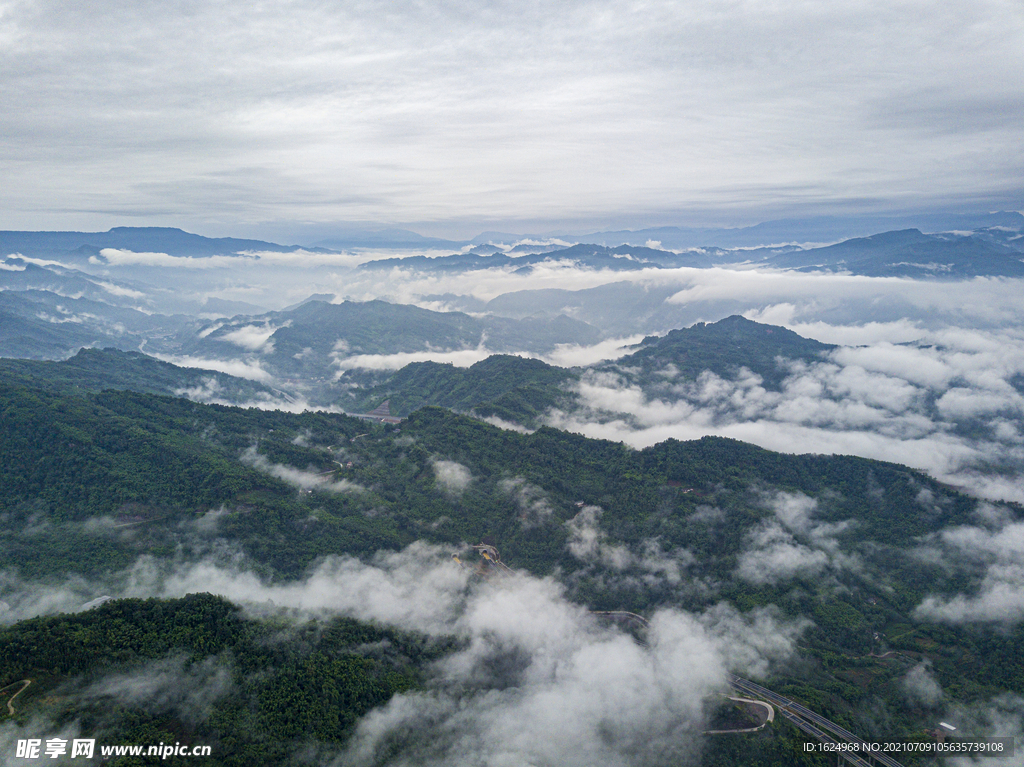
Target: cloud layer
(535, 677)
(947, 402)
(998, 550)
(497, 112)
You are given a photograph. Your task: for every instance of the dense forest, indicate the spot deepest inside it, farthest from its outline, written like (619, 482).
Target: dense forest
(248, 688)
(95, 482)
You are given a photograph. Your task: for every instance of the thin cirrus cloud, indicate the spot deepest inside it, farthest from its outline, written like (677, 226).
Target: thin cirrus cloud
(455, 114)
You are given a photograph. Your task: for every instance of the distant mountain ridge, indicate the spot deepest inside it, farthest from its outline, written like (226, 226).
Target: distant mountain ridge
(814, 229)
(991, 237)
(100, 369)
(314, 340)
(722, 347)
(623, 257)
(81, 245)
(910, 253)
(520, 390)
(516, 389)
(902, 253)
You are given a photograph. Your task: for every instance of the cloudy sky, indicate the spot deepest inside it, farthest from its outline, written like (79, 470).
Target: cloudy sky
(299, 117)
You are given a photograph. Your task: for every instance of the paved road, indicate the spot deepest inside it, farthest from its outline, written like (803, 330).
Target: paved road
(824, 737)
(801, 716)
(768, 719)
(793, 711)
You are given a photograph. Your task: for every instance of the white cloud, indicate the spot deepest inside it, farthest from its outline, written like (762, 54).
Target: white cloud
(793, 543)
(116, 257)
(591, 545)
(20, 599)
(37, 261)
(494, 420)
(305, 259)
(253, 337)
(540, 682)
(252, 371)
(773, 555)
(120, 290)
(919, 686)
(919, 404)
(1000, 595)
(209, 329)
(574, 355)
(532, 502)
(461, 358)
(917, 366)
(452, 476)
(208, 390)
(535, 677)
(304, 480)
(168, 684)
(563, 355)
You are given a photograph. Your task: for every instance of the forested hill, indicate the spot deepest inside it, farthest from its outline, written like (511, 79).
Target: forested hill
(522, 390)
(98, 369)
(235, 684)
(160, 460)
(723, 347)
(81, 245)
(517, 389)
(96, 483)
(315, 340)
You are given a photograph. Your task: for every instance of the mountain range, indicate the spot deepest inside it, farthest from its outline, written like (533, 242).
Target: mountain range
(343, 589)
(808, 572)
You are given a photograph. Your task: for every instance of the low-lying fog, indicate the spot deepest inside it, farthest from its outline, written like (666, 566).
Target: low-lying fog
(929, 373)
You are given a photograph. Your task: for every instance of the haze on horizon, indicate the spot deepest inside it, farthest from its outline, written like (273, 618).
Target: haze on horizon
(295, 121)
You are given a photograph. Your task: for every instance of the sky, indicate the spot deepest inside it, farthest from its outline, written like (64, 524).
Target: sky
(303, 118)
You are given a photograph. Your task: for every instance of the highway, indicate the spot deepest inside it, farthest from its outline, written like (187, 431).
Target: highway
(824, 737)
(806, 720)
(800, 716)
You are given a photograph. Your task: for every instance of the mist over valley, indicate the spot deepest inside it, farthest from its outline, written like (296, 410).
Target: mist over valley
(497, 384)
(592, 411)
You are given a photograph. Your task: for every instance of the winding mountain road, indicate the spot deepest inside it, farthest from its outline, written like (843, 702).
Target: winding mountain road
(814, 724)
(800, 716)
(10, 701)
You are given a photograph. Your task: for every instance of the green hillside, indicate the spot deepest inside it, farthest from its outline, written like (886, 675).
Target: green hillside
(98, 369)
(261, 692)
(514, 388)
(723, 347)
(94, 483)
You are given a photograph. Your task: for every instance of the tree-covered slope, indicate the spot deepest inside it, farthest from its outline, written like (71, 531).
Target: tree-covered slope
(100, 485)
(98, 369)
(722, 347)
(522, 390)
(314, 340)
(514, 388)
(252, 690)
(144, 469)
